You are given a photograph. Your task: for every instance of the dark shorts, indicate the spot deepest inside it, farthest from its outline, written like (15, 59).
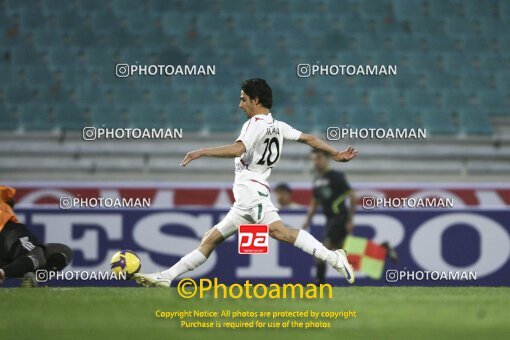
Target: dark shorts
(336, 230)
(16, 240)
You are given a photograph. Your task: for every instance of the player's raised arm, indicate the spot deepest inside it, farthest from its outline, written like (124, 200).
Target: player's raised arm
(316, 143)
(227, 151)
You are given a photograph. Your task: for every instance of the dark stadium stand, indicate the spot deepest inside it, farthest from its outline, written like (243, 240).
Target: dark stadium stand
(58, 59)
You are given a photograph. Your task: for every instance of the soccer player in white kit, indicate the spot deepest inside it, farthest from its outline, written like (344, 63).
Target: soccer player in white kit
(256, 152)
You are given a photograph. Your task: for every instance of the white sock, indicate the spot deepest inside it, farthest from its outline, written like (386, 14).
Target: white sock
(185, 264)
(310, 245)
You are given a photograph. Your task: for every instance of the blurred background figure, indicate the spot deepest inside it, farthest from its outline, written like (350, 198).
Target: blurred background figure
(284, 197)
(331, 192)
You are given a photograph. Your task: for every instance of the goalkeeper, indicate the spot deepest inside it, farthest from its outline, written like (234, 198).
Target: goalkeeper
(20, 251)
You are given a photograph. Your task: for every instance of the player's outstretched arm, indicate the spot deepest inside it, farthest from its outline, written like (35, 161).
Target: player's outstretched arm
(316, 143)
(228, 151)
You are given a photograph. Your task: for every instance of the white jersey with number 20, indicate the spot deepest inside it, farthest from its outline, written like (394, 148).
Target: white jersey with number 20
(262, 137)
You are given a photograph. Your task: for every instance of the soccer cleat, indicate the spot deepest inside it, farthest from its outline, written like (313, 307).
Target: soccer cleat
(28, 280)
(343, 266)
(152, 280)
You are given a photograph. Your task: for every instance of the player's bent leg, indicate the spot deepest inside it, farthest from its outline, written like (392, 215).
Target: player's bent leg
(58, 256)
(310, 245)
(34, 260)
(280, 232)
(210, 240)
(321, 268)
(189, 262)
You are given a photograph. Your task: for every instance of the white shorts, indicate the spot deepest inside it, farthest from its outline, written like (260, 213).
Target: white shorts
(252, 206)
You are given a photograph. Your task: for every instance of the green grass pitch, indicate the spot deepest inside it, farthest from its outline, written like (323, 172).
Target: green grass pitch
(129, 313)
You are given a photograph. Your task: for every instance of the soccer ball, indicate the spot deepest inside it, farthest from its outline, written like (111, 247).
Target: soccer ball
(125, 261)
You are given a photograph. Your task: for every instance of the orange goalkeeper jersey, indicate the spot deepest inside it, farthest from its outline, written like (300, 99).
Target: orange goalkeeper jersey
(6, 212)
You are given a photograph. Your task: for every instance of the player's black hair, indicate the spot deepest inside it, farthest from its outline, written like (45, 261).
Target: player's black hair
(258, 88)
(320, 152)
(283, 187)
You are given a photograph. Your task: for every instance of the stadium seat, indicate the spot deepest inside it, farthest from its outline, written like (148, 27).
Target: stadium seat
(25, 56)
(8, 118)
(71, 75)
(10, 74)
(454, 99)
(494, 63)
(374, 9)
(447, 8)
(319, 23)
(442, 81)
(305, 7)
(309, 98)
(475, 44)
(385, 58)
(353, 25)
(17, 94)
(144, 116)
(91, 6)
(426, 25)
(369, 42)
(186, 117)
(420, 99)
(83, 37)
(57, 93)
(409, 9)
(162, 96)
(321, 116)
(503, 82)
(39, 74)
(47, 37)
(160, 6)
(491, 27)
(339, 7)
(494, 103)
(438, 122)
(504, 9)
(70, 117)
(177, 23)
(221, 119)
(196, 6)
(34, 117)
(32, 19)
(383, 98)
(459, 26)
(124, 95)
(100, 56)
(91, 95)
(102, 21)
(459, 61)
(118, 37)
(282, 23)
(56, 7)
(297, 116)
(474, 82)
(107, 116)
(406, 42)
(476, 9)
(67, 20)
(61, 56)
(424, 62)
(397, 117)
(120, 8)
(475, 121)
(364, 118)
